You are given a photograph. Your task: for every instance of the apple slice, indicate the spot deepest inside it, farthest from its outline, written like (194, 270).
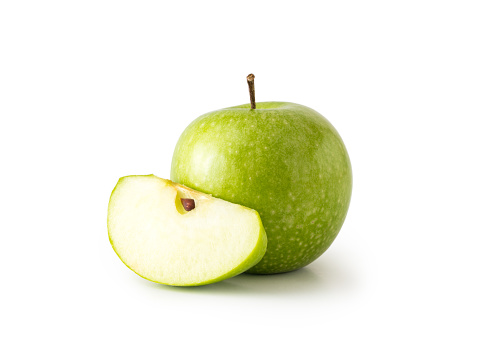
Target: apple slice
(171, 234)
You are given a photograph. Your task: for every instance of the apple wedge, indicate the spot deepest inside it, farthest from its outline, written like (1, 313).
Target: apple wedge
(173, 235)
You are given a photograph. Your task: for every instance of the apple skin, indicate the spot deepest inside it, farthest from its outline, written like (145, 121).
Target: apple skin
(282, 159)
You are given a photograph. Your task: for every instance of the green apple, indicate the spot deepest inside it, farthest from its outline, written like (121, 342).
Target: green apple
(170, 234)
(285, 161)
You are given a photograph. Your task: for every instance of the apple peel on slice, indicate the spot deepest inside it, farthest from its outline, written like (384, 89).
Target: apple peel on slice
(170, 234)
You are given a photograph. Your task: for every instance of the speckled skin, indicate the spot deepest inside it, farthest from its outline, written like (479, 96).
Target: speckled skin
(284, 160)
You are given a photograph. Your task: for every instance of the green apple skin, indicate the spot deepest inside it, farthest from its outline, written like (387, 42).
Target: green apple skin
(285, 161)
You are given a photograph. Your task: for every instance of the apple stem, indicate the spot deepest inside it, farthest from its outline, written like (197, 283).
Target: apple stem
(251, 85)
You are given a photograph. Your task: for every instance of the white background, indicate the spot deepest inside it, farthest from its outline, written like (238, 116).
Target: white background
(94, 90)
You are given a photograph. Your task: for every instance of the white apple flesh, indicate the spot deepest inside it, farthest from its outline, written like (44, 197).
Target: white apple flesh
(156, 237)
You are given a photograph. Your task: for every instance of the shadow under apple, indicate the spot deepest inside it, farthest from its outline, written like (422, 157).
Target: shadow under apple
(327, 275)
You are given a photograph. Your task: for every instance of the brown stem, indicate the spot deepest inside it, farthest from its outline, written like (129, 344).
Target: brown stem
(251, 85)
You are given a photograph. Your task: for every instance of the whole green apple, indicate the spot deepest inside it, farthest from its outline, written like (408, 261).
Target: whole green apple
(285, 161)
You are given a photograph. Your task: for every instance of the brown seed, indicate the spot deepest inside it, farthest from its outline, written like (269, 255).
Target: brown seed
(188, 204)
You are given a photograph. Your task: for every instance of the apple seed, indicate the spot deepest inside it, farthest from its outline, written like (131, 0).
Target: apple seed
(188, 204)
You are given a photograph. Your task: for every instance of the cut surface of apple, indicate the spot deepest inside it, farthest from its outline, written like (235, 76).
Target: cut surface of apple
(171, 234)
